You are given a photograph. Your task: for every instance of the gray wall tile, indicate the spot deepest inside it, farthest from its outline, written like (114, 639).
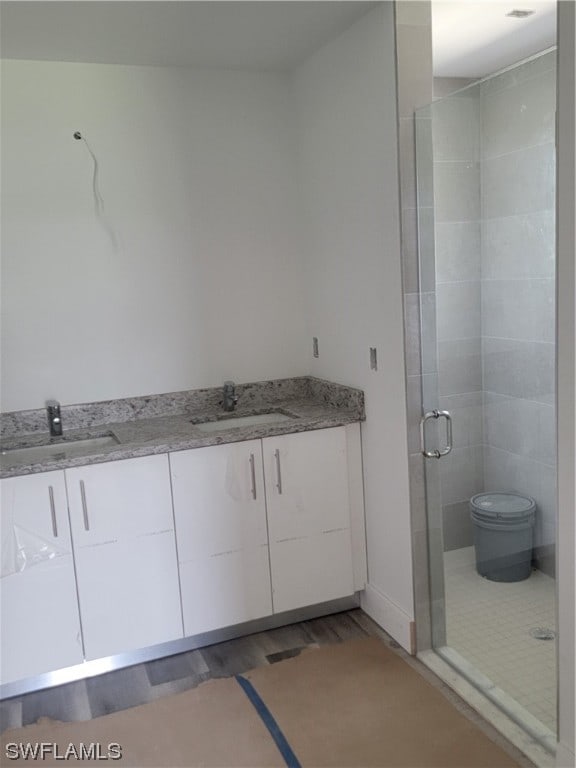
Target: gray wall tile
(428, 314)
(414, 410)
(412, 333)
(519, 309)
(513, 307)
(520, 182)
(457, 191)
(506, 471)
(410, 270)
(518, 288)
(435, 551)
(414, 81)
(520, 74)
(519, 117)
(462, 474)
(429, 391)
(406, 151)
(458, 251)
(458, 310)
(433, 483)
(520, 368)
(421, 590)
(418, 515)
(467, 418)
(522, 427)
(547, 501)
(438, 617)
(519, 247)
(421, 395)
(457, 527)
(426, 249)
(456, 128)
(459, 366)
(418, 270)
(545, 558)
(424, 159)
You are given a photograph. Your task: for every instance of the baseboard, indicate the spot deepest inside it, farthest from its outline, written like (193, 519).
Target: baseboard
(565, 757)
(389, 616)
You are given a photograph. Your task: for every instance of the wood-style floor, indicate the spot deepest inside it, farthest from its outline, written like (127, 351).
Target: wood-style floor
(141, 683)
(124, 688)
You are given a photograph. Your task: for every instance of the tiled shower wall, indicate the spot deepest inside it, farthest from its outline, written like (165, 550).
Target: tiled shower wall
(456, 172)
(414, 90)
(493, 181)
(518, 288)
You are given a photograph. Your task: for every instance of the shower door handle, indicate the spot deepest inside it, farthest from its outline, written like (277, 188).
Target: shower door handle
(439, 452)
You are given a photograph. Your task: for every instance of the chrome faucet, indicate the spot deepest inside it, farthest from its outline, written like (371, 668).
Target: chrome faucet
(230, 397)
(54, 417)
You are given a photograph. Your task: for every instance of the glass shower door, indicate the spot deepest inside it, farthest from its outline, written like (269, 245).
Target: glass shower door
(485, 179)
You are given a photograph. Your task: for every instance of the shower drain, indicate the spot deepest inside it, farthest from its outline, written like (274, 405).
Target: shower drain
(542, 633)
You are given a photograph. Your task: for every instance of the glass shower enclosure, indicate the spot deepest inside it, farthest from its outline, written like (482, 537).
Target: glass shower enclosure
(486, 210)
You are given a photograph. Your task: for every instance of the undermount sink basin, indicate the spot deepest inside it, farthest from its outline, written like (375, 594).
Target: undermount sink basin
(62, 450)
(234, 422)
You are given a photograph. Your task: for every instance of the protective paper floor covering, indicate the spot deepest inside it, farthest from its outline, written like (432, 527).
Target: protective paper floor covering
(353, 704)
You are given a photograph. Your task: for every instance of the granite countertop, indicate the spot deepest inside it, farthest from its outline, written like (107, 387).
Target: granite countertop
(124, 429)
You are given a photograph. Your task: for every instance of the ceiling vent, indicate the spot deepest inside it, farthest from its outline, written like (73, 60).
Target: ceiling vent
(517, 14)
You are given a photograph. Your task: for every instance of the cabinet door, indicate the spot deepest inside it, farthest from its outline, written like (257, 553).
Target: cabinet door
(308, 518)
(38, 601)
(125, 551)
(220, 514)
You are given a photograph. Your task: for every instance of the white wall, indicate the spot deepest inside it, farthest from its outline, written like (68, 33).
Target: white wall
(197, 177)
(346, 108)
(214, 221)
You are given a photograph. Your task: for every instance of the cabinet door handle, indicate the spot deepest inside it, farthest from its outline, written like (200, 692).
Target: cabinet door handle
(253, 476)
(53, 512)
(278, 471)
(84, 506)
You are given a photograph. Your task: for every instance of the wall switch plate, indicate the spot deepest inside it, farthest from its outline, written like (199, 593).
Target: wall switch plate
(373, 359)
(315, 346)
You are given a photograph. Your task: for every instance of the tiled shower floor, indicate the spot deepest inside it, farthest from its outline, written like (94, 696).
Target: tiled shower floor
(489, 623)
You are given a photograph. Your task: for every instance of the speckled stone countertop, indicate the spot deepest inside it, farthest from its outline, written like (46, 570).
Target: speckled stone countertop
(142, 426)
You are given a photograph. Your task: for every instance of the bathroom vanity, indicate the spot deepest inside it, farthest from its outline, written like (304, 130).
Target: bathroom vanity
(171, 532)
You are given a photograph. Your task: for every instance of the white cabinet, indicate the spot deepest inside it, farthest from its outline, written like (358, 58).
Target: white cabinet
(220, 515)
(110, 558)
(309, 506)
(40, 626)
(267, 526)
(125, 553)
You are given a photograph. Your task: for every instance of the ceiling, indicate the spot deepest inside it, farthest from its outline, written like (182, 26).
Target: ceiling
(225, 35)
(471, 38)
(474, 38)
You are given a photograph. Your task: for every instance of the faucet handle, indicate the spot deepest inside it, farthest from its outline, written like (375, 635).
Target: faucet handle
(54, 418)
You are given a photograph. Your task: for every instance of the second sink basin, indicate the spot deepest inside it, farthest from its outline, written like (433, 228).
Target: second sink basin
(234, 422)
